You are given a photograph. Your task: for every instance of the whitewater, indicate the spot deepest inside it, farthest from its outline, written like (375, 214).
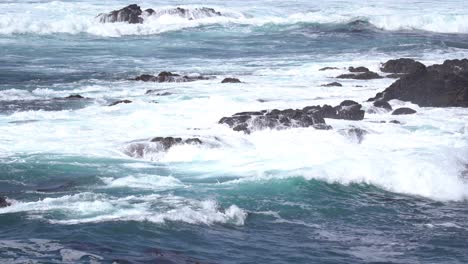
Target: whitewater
(80, 192)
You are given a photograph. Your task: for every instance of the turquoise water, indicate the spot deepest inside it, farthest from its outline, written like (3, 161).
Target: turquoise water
(292, 196)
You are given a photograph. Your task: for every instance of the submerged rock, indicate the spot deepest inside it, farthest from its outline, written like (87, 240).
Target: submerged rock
(403, 65)
(231, 80)
(395, 122)
(442, 85)
(121, 102)
(404, 111)
(328, 68)
(361, 76)
(168, 77)
(3, 202)
(168, 142)
(311, 116)
(354, 133)
(74, 96)
(333, 84)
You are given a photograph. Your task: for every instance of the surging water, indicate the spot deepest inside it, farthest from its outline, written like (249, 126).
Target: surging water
(291, 196)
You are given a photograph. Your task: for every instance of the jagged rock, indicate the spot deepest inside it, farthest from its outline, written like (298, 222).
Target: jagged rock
(358, 69)
(3, 202)
(328, 68)
(362, 76)
(231, 80)
(404, 111)
(402, 65)
(289, 118)
(168, 77)
(443, 85)
(121, 102)
(383, 104)
(168, 142)
(133, 14)
(333, 84)
(130, 14)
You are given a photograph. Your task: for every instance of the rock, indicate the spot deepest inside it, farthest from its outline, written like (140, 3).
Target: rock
(333, 84)
(168, 142)
(444, 85)
(130, 14)
(383, 104)
(362, 76)
(3, 202)
(133, 14)
(358, 69)
(231, 80)
(354, 133)
(168, 77)
(404, 111)
(395, 122)
(55, 187)
(395, 75)
(402, 66)
(328, 68)
(74, 96)
(311, 116)
(121, 102)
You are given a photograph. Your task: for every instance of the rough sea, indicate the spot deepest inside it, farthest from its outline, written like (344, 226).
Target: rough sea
(79, 194)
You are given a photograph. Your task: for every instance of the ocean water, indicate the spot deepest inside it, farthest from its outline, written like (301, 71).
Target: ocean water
(275, 196)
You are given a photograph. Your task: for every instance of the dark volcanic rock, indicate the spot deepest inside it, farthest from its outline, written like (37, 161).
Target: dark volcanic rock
(395, 75)
(443, 85)
(231, 80)
(74, 96)
(333, 84)
(328, 68)
(289, 118)
(168, 77)
(130, 14)
(383, 104)
(4, 202)
(133, 14)
(120, 102)
(358, 69)
(168, 142)
(362, 76)
(402, 66)
(404, 111)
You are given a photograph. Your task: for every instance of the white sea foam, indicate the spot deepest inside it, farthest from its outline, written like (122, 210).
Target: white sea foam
(92, 208)
(75, 18)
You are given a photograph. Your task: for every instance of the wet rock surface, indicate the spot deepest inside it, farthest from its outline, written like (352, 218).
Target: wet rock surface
(168, 77)
(333, 84)
(133, 14)
(3, 202)
(231, 80)
(360, 76)
(120, 102)
(442, 85)
(404, 111)
(402, 66)
(311, 116)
